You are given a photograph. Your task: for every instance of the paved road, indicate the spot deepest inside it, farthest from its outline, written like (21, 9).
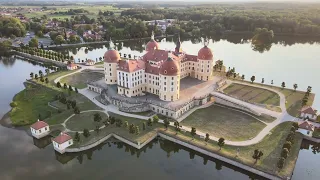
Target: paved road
(281, 117)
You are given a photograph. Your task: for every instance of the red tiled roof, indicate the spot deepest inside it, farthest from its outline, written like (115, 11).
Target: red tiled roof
(170, 67)
(131, 65)
(205, 53)
(308, 110)
(152, 69)
(158, 55)
(63, 137)
(39, 125)
(72, 65)
(306, 125)
(151, 45)
(188, 57)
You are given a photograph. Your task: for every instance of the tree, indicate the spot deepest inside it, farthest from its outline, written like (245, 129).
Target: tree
(58, 85)
(295, 86)
(68, 106)
(177, 126)
(126, 124)
(36, 76)
(132, 129)
(65, 86)
(70, 88)
(86, 133)
(13, 104)
(47, 71)
(296, 125)
(193, 132)
(155, 119)
(73, 103)
(253, 78)
(42, 79)
(262, 81)
(281, 163)
(284, 153)
(47, 80)
(76, 110)
(221, 143)
(77, 137)
(137, 130)
(143, 126)
(166, 123)
(5, 46)
(34, 43)
(287, 145)
(271, 82)
(97, 117)
(119, 122)
(149, 122)
(257, 154)
(40, 73)
(59, 40)
(207, 138)
(242, 77)
(76, 90)
(97, 129)
(283, 85)
(31, 75)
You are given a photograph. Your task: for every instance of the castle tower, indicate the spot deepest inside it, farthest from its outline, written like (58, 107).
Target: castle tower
(111, 59)
(205, 63)
(169, 76)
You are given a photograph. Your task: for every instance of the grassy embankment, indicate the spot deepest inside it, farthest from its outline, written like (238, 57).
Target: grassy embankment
(271, 146)
(33, 101)
(262, 96)
(79, 80)
(224, 122)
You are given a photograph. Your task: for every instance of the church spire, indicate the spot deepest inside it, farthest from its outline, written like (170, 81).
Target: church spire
(178, 45)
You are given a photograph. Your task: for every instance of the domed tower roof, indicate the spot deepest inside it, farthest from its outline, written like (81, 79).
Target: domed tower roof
(152, 44)
(205, 53)
(112, 56)
(169, 67)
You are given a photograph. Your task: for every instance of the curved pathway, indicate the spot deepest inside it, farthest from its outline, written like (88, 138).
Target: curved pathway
(281, 117)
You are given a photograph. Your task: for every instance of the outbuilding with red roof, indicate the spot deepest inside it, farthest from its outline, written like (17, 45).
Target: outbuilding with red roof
(308, 112)
(39, 129)
(61, 142)
(306, 128)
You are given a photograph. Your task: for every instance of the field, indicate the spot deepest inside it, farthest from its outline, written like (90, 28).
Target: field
(253, 94)
(271, 147)
(122, 131)
(93, 10)
(85, 120)
(80, 80)
(224, 122)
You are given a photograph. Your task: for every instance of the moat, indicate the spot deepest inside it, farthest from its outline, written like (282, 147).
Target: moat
(160, 159)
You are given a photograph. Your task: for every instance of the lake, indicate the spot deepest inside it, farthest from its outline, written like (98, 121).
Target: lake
(26, 158)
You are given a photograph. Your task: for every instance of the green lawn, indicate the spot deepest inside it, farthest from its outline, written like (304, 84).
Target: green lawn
(253, 94)
(121, 131)
(79, 80)
(224, 122)
(293, 98)
(271, 147)
(316, 133)
(33, 101)
(85, 120)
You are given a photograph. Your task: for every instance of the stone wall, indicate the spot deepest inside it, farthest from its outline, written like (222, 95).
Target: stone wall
(223, 101)
(216, 156)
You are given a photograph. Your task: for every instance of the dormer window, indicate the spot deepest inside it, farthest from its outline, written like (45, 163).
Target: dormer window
(171, 68)
(165, 71)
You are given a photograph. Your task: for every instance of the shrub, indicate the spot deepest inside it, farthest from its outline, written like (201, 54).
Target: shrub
(287, 145)
(13, 104)
(284, 153)
(281, 163)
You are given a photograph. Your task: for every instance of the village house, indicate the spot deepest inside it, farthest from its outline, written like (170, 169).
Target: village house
(72, 66)
(306, 128)
(91, 35)
(39, 129)
(61, 142)
(90, 62)
(309, 113)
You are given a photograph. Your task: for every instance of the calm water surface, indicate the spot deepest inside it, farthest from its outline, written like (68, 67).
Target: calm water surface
(26, 158)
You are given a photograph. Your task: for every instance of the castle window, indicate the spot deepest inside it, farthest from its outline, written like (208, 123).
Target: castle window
(164, 97)
(165, 71)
